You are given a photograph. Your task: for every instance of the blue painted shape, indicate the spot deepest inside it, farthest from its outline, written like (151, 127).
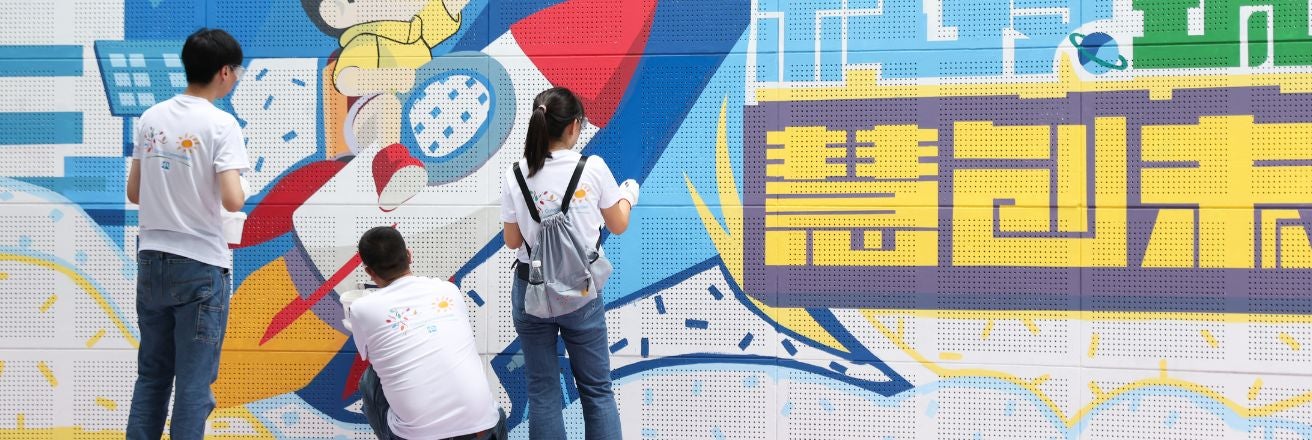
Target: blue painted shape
(259, 164)
(128, 142)
(56, 60)
(259, 76)
(767, 57)
(268, 101)
(298, 82)
(751, 381)
(788, 346)
(715, 292)
(838, 367)
(697, 323)
(164, 19)
(269, 29)
(289, 136)
(152, 60)
(488, 251)
(717, 433)
(697, 388)
(619, 345)
(27, 128)
(652, 119)
(826, 405)
(490, 23)
(649, 433)
(1010, 409)
(90, 182)
(478, 300)
(746, 342)
(831, 48)
(660, 304)
(905, 47)
(112, 220)
(645, 349)
(787, 409)
(648, 396)
(1171, 418)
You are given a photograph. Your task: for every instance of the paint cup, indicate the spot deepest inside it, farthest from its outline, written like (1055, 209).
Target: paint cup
(233, 223)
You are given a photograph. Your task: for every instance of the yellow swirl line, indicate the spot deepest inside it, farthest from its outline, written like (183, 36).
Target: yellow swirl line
(82, 282)
(1100, 398)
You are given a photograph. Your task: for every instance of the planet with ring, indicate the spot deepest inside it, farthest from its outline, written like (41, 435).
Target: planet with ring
(1098, 52)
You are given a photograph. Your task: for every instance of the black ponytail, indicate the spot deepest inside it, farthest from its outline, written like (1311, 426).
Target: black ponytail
(553, 110)
(537, 143)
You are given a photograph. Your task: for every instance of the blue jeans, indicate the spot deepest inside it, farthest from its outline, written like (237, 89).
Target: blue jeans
(182, 311)
(584, 333)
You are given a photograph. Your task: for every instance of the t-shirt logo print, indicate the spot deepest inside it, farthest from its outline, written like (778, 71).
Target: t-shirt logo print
(154, 138)
(544, 197)
(581, 194)
(187, 143)
(399, 318)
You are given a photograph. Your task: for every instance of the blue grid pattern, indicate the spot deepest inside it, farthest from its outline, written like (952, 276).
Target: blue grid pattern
(139, 74)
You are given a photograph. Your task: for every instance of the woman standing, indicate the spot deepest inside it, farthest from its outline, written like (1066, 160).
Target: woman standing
(548, 166)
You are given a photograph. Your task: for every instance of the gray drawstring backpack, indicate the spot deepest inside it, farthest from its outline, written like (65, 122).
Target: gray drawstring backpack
(564, 272)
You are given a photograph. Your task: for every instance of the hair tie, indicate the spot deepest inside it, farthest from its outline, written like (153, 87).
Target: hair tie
(543, 107)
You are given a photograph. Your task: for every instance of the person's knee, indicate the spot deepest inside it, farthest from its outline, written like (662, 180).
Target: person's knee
(594, 389)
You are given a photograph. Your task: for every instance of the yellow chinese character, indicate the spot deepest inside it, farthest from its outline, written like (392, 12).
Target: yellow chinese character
(830, 202)
(1010, 216)
(1227, 165)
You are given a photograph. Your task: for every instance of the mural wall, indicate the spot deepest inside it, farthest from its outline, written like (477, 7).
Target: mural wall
(867, 219)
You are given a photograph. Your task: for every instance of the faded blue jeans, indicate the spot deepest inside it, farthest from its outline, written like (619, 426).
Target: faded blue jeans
(182, 311)
(584, 333)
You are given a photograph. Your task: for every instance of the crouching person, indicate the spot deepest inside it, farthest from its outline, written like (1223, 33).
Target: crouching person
(426, 380)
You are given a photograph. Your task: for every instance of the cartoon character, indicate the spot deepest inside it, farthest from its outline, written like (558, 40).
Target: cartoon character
(383, 43)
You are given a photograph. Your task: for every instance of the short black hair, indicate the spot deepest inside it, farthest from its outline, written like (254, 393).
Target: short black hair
(206, 52)
(383, 250)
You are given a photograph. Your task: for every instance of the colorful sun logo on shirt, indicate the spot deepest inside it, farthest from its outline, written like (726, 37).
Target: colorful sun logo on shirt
(188, 142)
(581, 194)
(442, 304)
(399, 319)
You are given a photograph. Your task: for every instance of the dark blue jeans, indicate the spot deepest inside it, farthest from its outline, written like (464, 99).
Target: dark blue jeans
(182, 311)
(584, 333)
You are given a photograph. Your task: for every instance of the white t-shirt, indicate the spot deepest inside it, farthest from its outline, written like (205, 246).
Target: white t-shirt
(416, 334)
(183, 144)
(597, 190)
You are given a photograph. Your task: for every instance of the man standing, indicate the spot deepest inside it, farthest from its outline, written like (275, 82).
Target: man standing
(426, 380)
(186, 165)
